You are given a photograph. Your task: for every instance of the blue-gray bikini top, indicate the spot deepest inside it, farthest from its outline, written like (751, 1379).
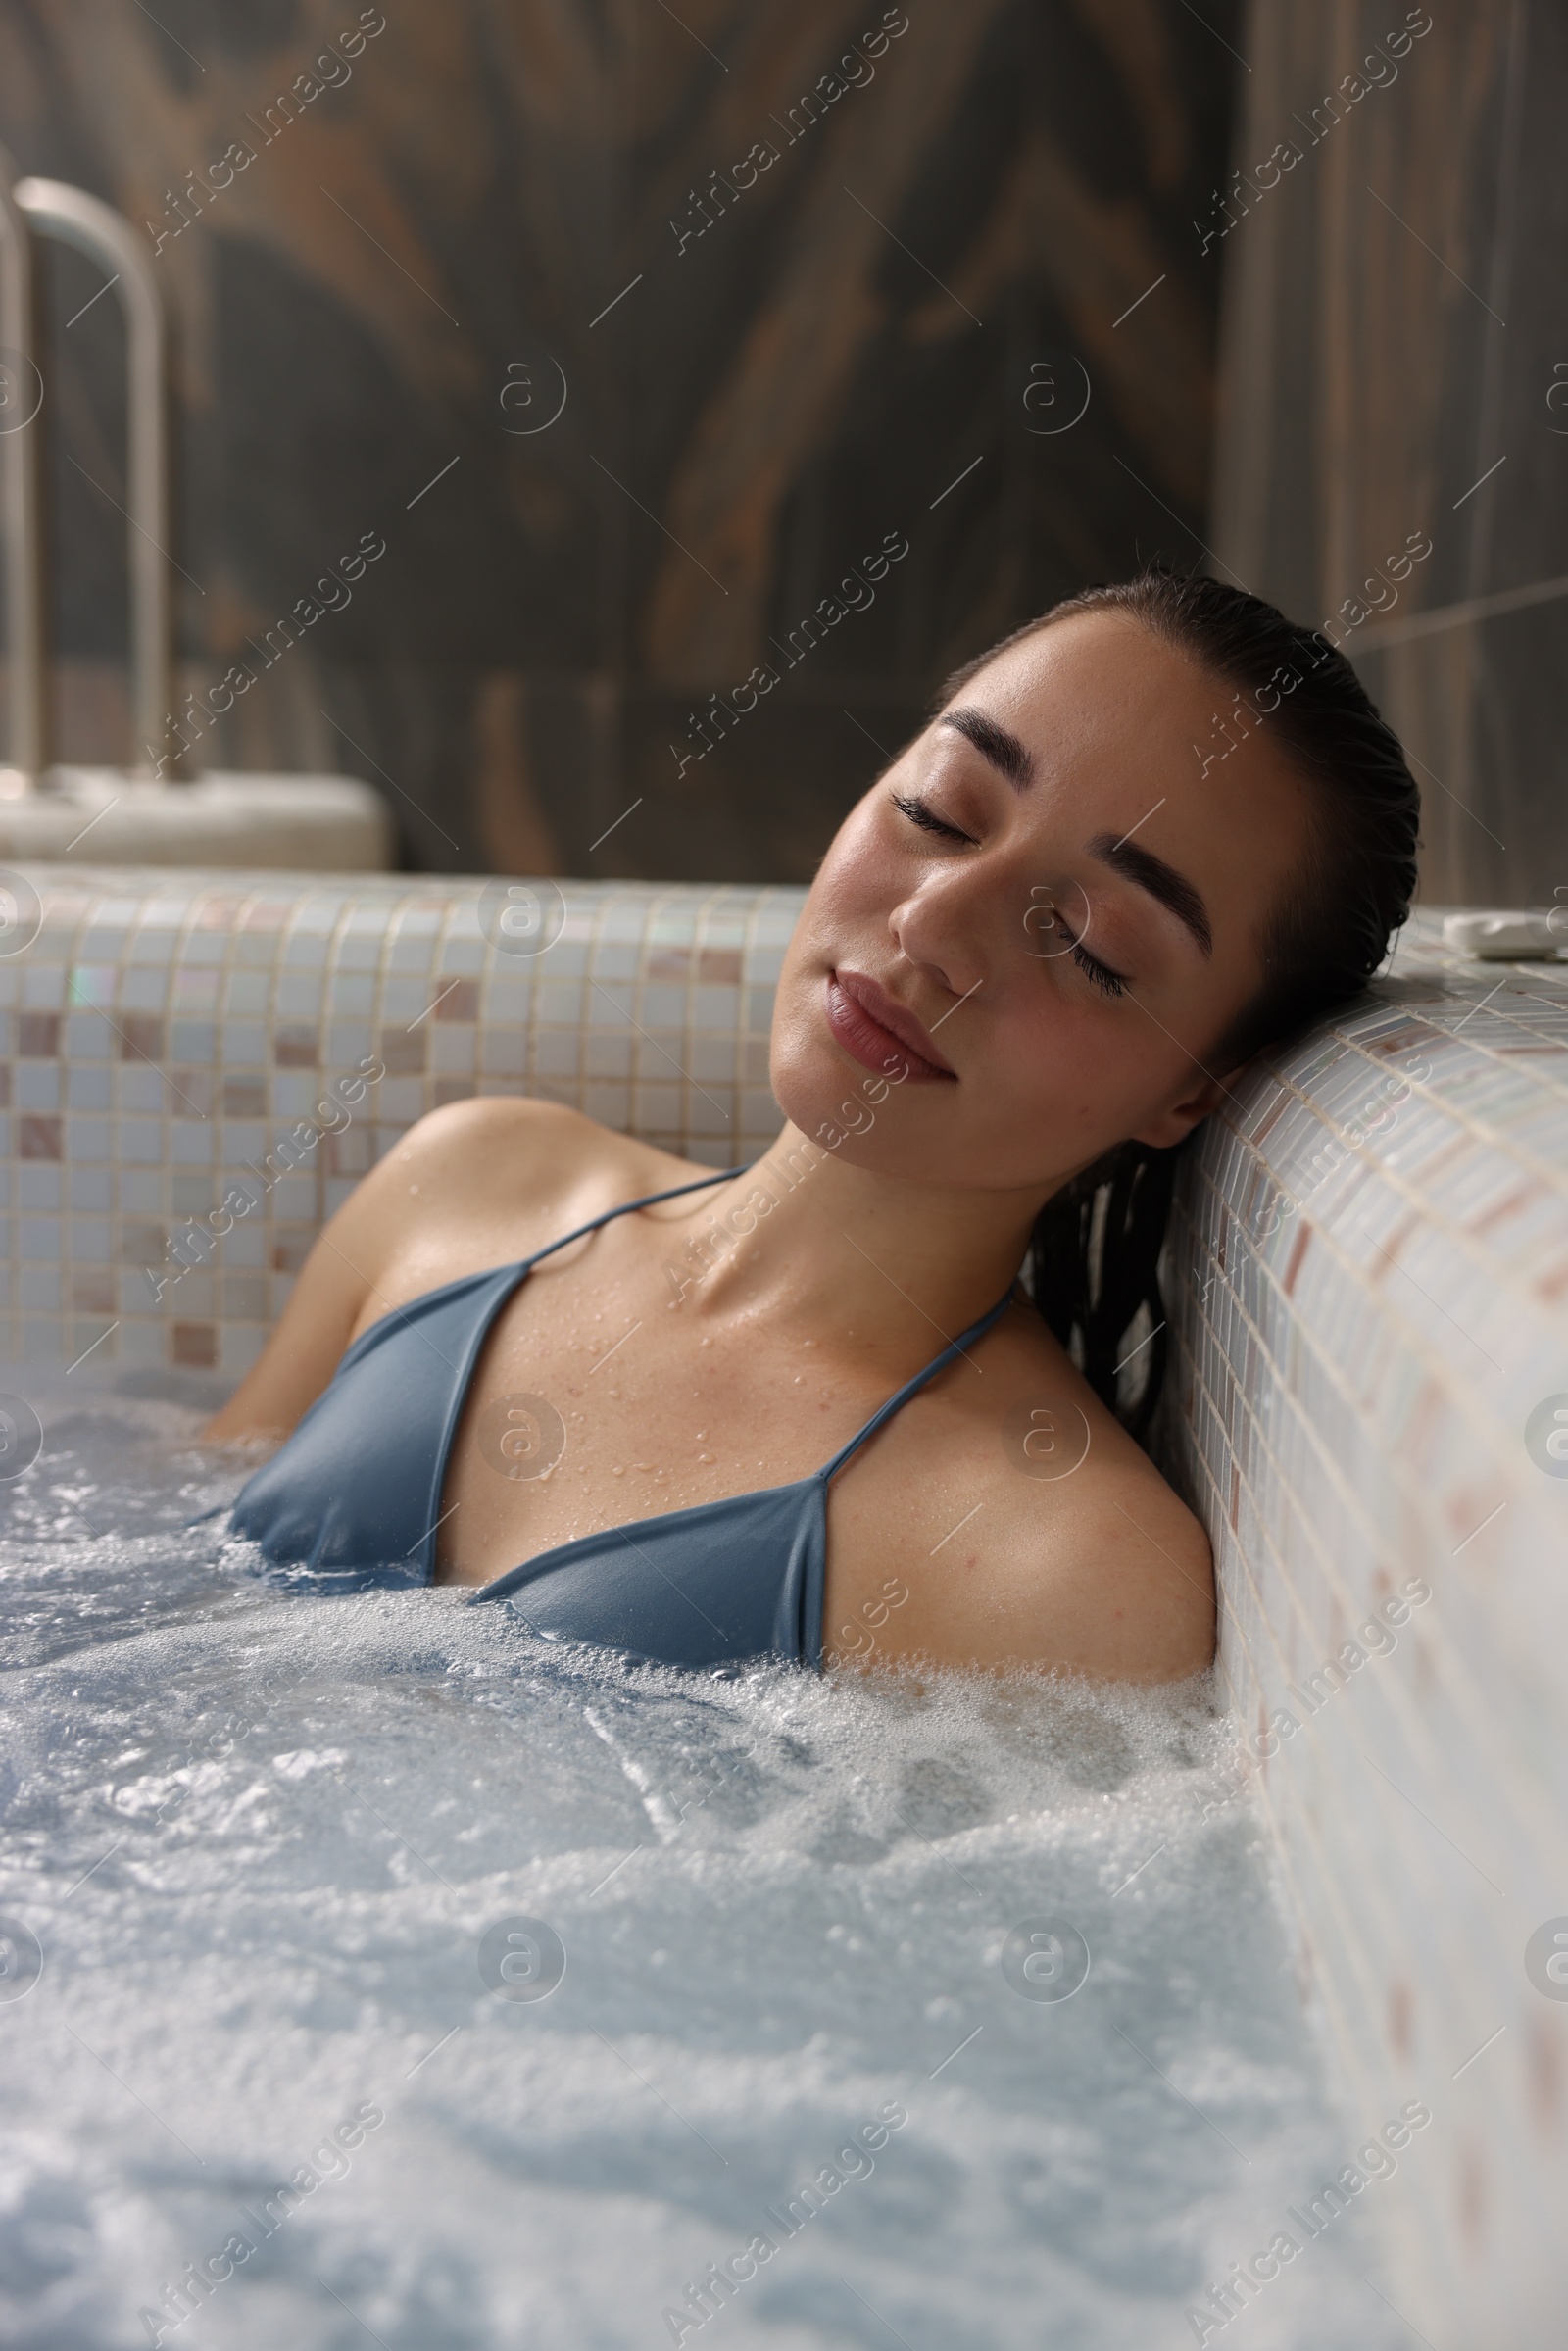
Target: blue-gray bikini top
(353, 1498)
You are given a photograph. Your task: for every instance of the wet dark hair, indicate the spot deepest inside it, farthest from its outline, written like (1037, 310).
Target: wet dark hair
(1093, 1260)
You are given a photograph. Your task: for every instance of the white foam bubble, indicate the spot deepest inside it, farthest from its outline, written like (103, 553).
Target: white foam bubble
(260, 1834)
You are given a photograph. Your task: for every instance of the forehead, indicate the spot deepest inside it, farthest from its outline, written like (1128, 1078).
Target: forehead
(1100, 673)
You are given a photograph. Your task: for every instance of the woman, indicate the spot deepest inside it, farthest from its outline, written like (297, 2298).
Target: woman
(806, 1409)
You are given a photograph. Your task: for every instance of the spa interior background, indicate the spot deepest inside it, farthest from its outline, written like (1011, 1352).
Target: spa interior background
(1002, 297)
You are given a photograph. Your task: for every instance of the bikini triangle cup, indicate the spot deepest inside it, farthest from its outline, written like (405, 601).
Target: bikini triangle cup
(712, 1586)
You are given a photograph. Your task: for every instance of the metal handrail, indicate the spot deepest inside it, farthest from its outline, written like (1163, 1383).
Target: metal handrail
(97, 231)
(19, 507)
(50, 207)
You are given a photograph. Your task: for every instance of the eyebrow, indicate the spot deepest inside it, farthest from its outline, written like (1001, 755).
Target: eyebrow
(994, 743)
(1140, 866)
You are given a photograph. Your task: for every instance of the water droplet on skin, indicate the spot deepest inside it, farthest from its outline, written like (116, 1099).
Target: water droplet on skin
(617, 1471)
(708, 1456)
(616, 1392)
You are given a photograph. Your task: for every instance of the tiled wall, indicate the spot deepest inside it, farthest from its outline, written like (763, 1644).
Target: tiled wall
(1366, 1316)
(166, 1035)
(1369, 1299)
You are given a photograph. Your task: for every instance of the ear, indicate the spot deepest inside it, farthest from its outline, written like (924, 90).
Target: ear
(1175, 1123)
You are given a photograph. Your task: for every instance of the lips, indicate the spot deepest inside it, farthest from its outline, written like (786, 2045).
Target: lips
(880, 1033)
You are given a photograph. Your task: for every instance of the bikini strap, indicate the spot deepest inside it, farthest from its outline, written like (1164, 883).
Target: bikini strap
(625, 1208)
(895, 1403)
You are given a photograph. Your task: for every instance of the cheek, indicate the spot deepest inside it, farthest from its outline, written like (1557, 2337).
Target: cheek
(861, 877)
(1056, 1072)
(846, 913)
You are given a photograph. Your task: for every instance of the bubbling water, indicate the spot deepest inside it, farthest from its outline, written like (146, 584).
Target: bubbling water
(404, 1977)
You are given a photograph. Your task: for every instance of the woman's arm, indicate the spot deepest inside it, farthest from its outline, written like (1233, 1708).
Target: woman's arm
(334, 1284)
(345, 1283)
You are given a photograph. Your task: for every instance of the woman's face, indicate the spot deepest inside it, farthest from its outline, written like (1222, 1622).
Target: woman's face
(1027, 938)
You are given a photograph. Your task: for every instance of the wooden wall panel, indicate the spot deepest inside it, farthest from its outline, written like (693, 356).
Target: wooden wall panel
(751, 404)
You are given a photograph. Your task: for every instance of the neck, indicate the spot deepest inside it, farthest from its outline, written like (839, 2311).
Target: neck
(819, 1246)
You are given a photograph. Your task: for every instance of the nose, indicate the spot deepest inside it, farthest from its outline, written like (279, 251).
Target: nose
(940, 928)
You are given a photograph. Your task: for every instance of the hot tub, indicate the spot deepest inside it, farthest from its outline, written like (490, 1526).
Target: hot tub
(1303, 1927)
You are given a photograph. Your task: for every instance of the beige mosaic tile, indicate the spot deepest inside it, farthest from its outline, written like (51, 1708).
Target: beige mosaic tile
(179, 1052)
(1370, 1304)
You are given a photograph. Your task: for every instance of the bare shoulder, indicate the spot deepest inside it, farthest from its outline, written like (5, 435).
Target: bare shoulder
(1077, 1554)
(509, 1150)
(1132, 1573)
(477, 1183)
(489, 1178)
(1098, 1555)
(491, 1139)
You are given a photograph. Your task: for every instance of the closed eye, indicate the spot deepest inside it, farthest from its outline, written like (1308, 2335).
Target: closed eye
(919, 812)
(1110, 983)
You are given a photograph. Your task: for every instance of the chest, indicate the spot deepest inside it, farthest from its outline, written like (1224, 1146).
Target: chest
(595, 1404)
